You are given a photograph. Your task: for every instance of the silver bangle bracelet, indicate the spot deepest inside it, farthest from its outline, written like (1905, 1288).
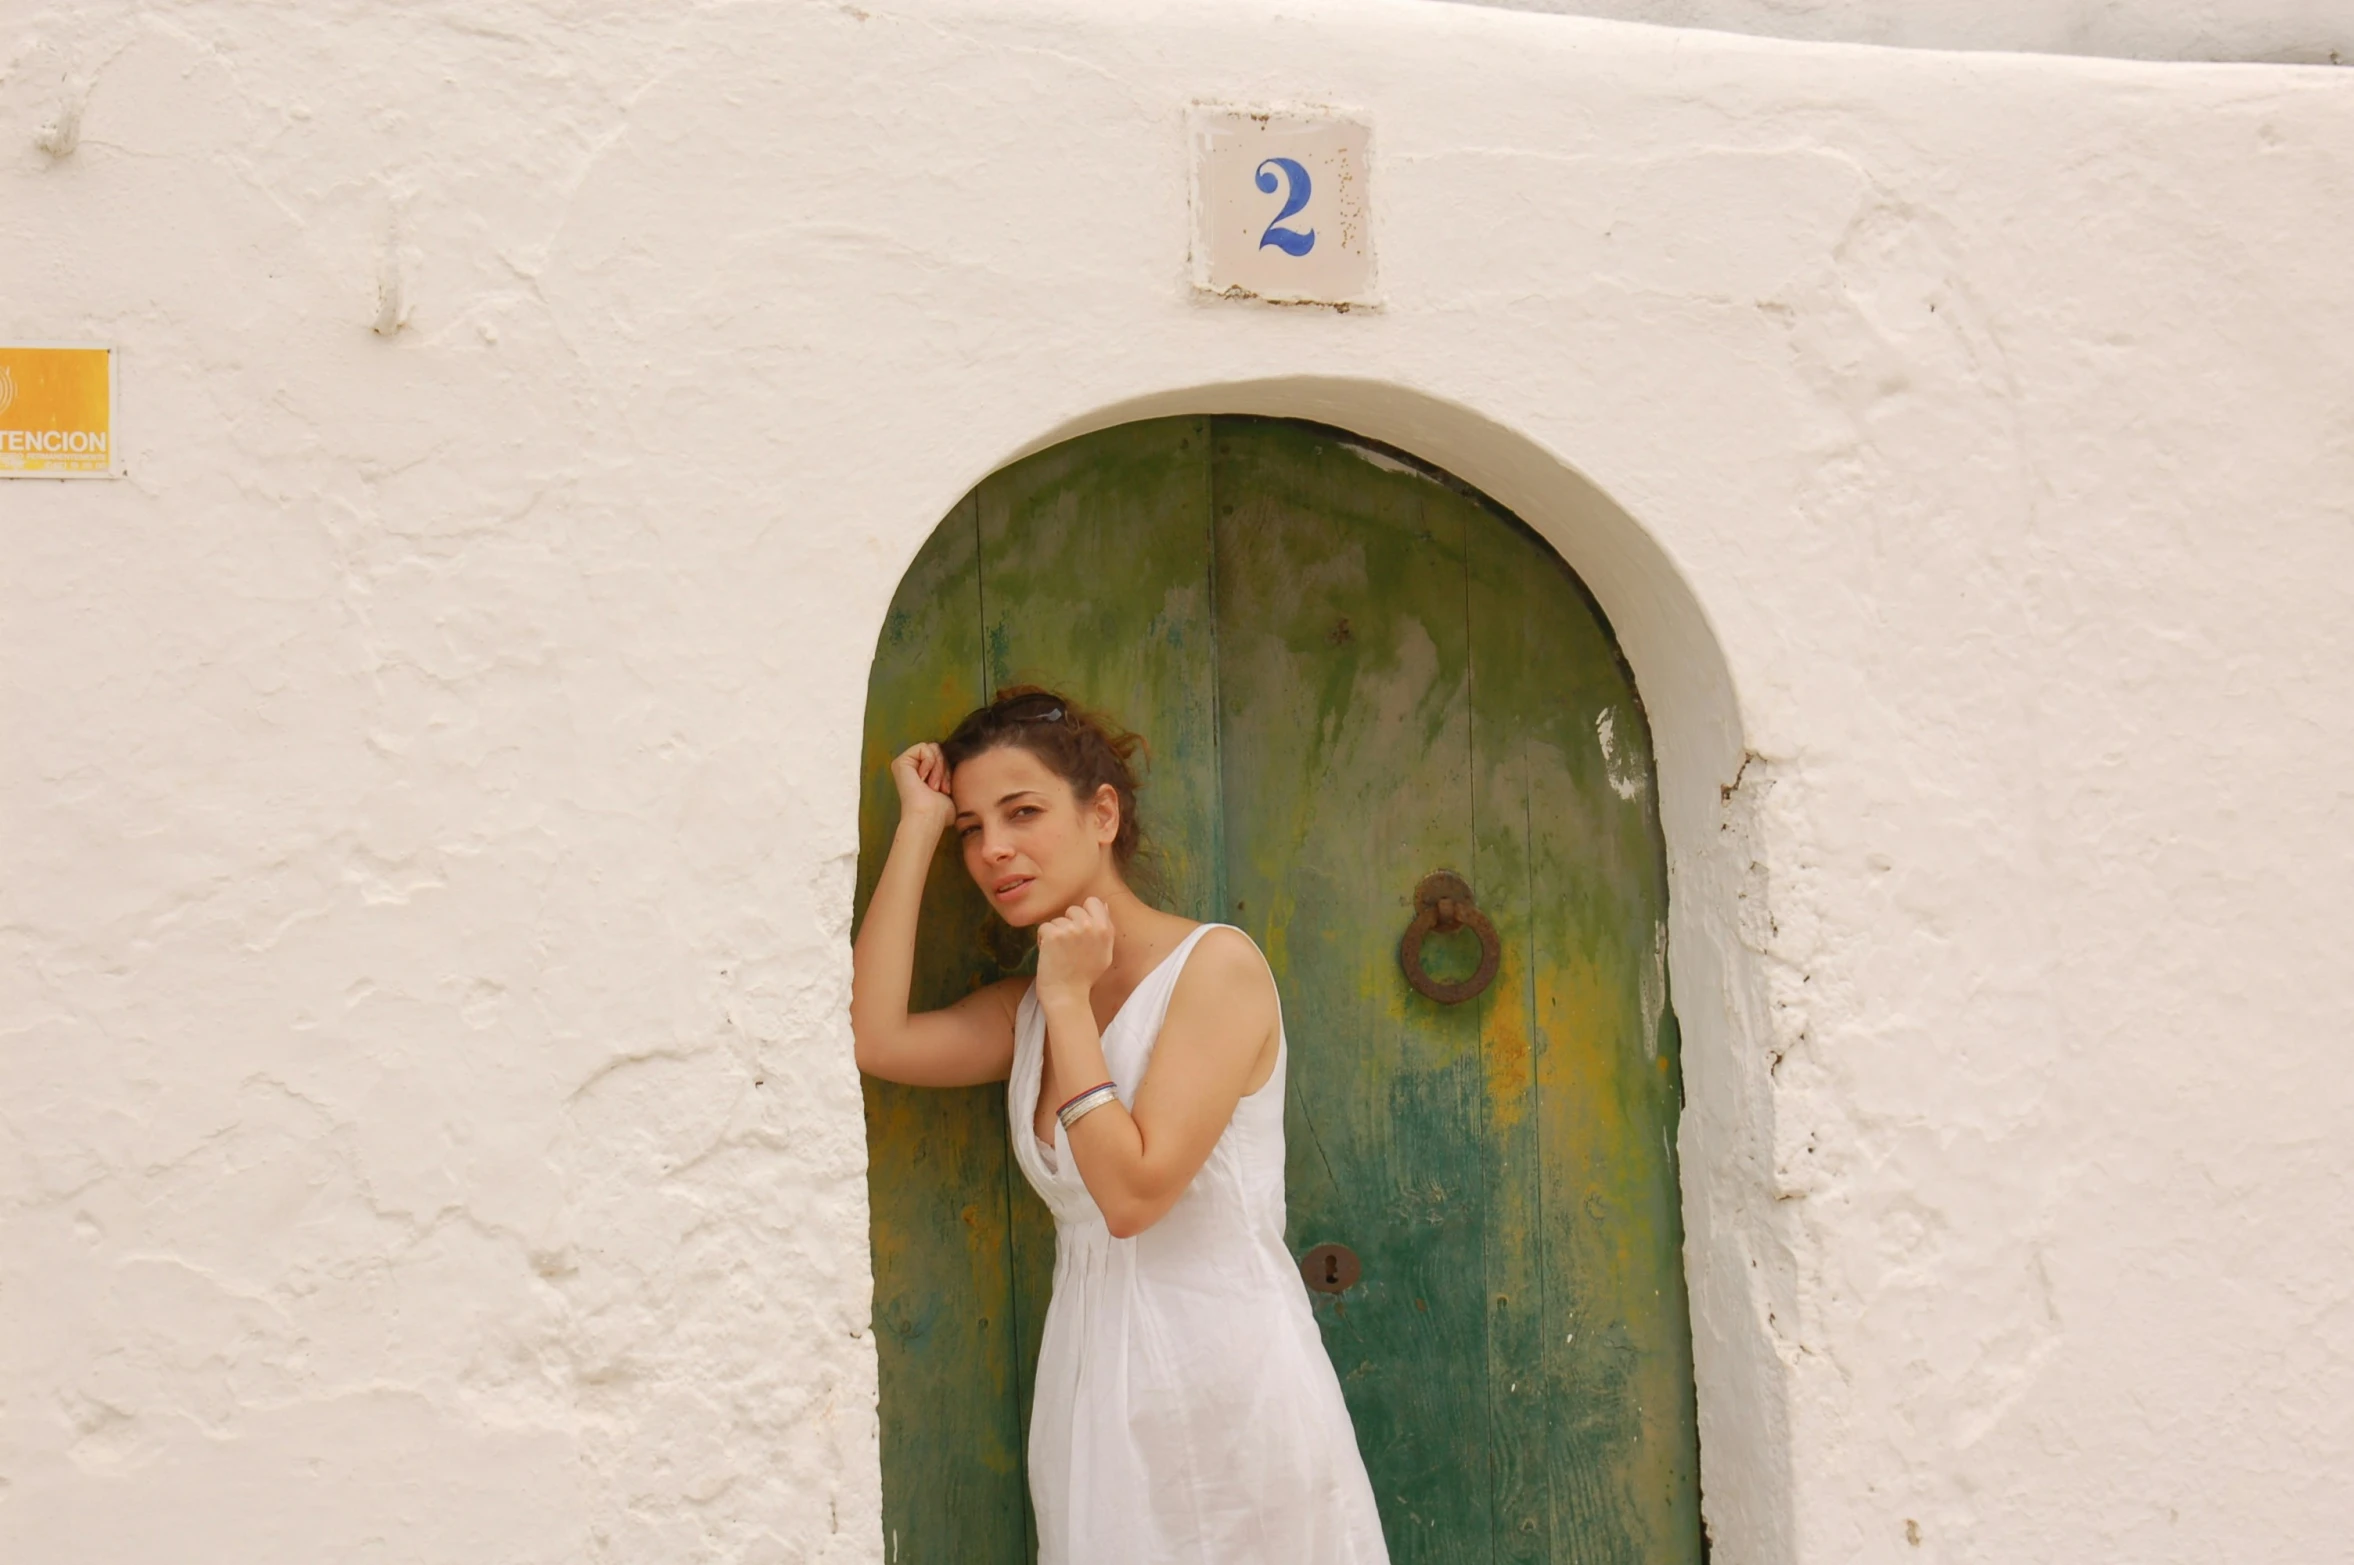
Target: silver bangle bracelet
(1086, 1102)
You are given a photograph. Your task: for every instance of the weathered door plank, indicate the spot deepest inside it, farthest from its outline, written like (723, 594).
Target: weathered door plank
(1508, 684)
(1346, 743)
(938, 1161)
(1095, 581)
(1616, 1345)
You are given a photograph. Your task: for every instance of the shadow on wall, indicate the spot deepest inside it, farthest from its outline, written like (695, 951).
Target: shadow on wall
(2266, 32)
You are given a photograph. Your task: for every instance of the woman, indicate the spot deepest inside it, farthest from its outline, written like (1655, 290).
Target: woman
(1185, 1410)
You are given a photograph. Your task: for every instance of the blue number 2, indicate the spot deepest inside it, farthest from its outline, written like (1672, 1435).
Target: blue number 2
(1289, 240)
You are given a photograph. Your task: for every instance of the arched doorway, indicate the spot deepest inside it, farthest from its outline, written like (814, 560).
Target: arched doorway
(1353, 672)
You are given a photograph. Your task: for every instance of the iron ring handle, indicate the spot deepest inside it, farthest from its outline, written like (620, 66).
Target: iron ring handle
(1442, 903)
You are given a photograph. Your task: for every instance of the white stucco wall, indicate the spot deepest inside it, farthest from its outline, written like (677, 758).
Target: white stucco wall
(2306, 32)
(429, 777)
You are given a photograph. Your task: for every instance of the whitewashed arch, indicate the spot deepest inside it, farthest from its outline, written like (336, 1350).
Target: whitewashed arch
(1733, 1263)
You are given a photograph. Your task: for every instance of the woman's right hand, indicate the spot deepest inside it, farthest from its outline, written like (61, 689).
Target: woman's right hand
(921, 774)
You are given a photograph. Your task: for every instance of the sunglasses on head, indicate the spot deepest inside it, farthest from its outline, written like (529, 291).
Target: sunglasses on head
(1029, 709)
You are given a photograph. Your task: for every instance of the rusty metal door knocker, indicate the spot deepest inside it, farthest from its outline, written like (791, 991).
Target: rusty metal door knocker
(1442, 905)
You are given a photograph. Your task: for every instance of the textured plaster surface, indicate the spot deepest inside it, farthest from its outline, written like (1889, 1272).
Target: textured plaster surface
(2309, 32)
(427, 1129)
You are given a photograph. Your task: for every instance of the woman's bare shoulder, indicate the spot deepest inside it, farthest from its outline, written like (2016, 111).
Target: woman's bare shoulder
(1227, 961)
(1236, 943)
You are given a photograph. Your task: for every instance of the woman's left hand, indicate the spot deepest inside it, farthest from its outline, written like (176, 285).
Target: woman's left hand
(1074, 951)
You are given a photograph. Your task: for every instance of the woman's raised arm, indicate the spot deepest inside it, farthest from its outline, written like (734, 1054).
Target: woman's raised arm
(971, 1041)
(1217, 1043)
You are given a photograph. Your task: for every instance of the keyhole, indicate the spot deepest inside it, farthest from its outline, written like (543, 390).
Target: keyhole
(1331, 1268)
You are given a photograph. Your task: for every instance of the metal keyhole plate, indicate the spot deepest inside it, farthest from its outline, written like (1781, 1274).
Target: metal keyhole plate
(1331, 1268)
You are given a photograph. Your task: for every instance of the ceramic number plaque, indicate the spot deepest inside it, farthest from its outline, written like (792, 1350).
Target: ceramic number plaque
(1279, 207)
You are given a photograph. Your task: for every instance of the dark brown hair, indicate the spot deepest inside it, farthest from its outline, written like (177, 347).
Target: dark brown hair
(1077, 745)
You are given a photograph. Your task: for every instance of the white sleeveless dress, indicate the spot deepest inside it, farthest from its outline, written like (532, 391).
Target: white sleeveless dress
(1186, 1412)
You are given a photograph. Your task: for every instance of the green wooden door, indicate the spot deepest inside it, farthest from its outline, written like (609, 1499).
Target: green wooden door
(1350, 673)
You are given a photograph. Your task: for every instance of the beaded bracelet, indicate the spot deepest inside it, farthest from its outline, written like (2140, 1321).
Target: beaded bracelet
(1086, 1102)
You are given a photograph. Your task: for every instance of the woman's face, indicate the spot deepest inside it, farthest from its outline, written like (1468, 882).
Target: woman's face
(1030, 845)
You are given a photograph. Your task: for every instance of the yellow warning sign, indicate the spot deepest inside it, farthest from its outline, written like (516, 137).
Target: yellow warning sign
(57, 412)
